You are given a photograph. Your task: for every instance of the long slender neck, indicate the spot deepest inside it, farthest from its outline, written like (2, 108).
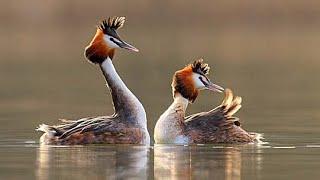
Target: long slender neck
(179, 105)
(126, 104)
(171, 125)
(176, 112)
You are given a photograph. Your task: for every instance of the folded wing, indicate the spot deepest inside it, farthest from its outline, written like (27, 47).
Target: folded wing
(218, 124)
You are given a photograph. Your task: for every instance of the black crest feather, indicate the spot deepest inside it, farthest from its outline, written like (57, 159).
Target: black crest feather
(112, 23)
(198, 66)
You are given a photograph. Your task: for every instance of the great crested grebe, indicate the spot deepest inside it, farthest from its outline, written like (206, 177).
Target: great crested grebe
(215, 126)
(128, 124)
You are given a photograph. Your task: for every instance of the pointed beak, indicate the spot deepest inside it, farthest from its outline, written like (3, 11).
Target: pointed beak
(127, 46)
(213, 87)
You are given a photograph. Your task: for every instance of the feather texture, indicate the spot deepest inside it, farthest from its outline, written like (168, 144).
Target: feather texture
(198, 66)
(112, 22)
(219, 124)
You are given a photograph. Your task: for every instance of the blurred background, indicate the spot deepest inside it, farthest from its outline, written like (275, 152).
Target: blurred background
(266, 51)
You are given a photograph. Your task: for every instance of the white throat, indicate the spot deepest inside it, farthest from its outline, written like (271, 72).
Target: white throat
(169, 127)
(110, 71)
(180, 102)
(176, 111)
(125, 102)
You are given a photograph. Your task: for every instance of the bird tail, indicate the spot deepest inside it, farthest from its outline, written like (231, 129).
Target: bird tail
(231, 104)
(49, 130)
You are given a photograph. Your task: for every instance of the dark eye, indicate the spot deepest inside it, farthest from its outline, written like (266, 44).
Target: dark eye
(202, 80)
(113, 40)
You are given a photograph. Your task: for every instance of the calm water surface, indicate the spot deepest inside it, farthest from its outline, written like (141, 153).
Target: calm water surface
(265, 51)
(28, 160)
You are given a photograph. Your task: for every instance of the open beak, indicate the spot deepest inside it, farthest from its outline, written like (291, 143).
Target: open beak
(127, 46)
(213, 87)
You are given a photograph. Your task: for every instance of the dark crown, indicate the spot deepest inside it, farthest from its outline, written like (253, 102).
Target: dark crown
(198, 66)
(112, 23)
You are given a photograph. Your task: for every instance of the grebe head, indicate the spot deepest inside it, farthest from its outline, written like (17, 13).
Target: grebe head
(106, 40)
(189, 80)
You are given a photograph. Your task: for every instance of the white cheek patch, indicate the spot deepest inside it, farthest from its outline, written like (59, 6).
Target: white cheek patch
(109, 42)
(197, 82)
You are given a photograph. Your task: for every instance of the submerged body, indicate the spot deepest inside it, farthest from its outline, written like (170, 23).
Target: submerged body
(95, 130)
(215, 126)
(128, 124)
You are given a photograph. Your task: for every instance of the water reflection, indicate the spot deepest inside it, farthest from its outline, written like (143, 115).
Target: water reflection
(92, 162)
(206, 162)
